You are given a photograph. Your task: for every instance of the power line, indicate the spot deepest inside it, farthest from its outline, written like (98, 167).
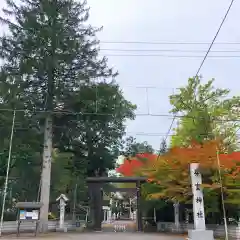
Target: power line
(164, 134)
(149, 134)
(167, 43)
(66, 112)
(213, 41)
(206, 55)
(149, 87)
(167, 135)
(146, 134)
(170, 128)
(167, 50)
(215, 37)
(170, 56)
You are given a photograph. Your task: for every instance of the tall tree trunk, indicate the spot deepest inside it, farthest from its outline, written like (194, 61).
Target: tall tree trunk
(46, 173)
(48, 131)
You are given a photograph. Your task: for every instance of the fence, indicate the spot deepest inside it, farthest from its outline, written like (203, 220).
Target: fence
(233, 231)
(219, 231)
(11, 226)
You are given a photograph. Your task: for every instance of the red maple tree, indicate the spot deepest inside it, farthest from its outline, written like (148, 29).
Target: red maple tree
(131, 167)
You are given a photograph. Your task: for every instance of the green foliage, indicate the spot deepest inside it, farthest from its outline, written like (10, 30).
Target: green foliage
(51, 62)
(61, 173)
(211, 198)
(205, 110)
(101, 128)
(132, 147)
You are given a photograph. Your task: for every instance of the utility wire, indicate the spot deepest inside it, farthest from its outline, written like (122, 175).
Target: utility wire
(167, 43)
(7, 174)
(168, 50)
(170, 128)
(215, 37)
(147, 134)
(74, 113)
(167, 135)
(206, 55)
(213, 41)
(170, 56)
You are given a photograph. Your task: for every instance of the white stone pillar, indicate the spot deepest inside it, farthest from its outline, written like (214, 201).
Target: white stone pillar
(200, 231)
(110, 215)
(176, 216)
(198, 204)
(62, 213)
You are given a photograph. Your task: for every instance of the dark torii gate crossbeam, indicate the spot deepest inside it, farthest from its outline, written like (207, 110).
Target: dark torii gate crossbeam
(95, 185)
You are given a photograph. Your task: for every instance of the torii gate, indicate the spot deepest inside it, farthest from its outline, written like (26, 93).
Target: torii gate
(95, 185)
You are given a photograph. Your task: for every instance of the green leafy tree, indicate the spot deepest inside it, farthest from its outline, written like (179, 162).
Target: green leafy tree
(25, 159)
(26, 135)
(100, 127)
(206, 111)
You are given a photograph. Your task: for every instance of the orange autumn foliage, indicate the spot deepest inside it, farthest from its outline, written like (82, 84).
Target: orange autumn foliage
(205, 154)
(231, 162)
(170, 172)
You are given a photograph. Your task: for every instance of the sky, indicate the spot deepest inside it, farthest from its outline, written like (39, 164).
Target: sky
(147, 81)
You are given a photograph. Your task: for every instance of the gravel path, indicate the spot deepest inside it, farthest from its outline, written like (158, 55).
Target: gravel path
(98, 236)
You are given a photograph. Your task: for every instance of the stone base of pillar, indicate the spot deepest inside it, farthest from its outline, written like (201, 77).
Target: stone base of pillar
(200, 235)
(62, 229)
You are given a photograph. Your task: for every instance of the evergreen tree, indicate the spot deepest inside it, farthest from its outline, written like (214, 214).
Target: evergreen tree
(132, 147)
(50, 50)
(49, 53)
(163, 147)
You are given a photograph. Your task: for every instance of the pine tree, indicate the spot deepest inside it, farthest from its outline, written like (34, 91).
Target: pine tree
(49, 51)
(163, 147)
